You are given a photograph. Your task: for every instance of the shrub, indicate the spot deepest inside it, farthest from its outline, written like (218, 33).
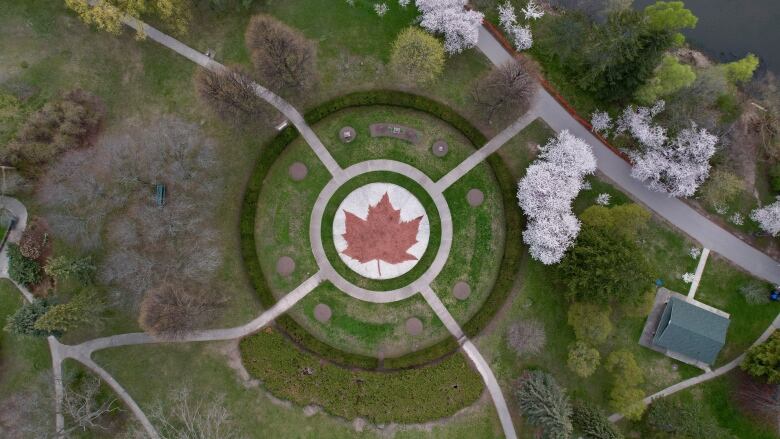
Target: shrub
(417, 56)
(755, 293)
(583, 359)
(625, 396)
(64, 267)
(544, 404)
(742, 70)
(527, 337)
(763, 361)
(60, 125)
(592, 423)
(22, 322)
(408, 396)
(64, 317)
(34, 239)
(591, 323)
(678, 418)
(21, 269)
(627, 400)
(170, 310)
(721, 189)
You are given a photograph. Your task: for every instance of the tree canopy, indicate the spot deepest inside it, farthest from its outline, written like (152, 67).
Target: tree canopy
(417, 56)
(107, 14)
(545, 404)
(763, 361)
(606, 264)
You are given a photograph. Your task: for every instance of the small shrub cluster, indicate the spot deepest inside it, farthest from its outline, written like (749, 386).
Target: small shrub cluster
(527, 337)
(61, 125)
(34, 239)
(22, 269)
(408, 396)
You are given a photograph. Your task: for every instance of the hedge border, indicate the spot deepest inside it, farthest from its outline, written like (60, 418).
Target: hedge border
(511, 258)
(415, 189)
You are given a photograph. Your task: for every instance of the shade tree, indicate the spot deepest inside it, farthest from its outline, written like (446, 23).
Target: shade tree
(591, 323)
(283, 59)
(416, 56)
(108, 14)
(668, 77)
(583, 359)
(170, 310)
(230, 94)
(505, 92)
(460, 26)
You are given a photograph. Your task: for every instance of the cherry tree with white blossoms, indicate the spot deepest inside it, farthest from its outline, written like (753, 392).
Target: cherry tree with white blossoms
(521, 35)
(532, 11)
(638, 123)
(459, 26)
(768, 217)
(601, 122)
(547, 191)
(679, 167)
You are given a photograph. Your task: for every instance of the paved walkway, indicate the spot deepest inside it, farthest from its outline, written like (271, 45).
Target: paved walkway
(699, 271)
(681, 215)
(471, 351)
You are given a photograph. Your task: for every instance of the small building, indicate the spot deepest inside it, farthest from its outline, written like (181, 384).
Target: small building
(691, 331)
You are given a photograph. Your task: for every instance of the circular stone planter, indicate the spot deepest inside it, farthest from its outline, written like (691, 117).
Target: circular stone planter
(285, 266)
(475, 197)
(347, 134)
(461, 290)
(298, 171)
(413, 326)
(440, 148)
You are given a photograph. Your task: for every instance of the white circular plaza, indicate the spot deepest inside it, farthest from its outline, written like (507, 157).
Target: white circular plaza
(381, 230)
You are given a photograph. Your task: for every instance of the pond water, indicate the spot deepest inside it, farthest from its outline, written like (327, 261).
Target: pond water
(729, 29)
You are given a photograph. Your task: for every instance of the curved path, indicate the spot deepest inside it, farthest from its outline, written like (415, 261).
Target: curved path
(680, 214)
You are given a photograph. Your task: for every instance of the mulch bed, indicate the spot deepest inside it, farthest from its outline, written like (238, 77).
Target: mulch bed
(396, 131)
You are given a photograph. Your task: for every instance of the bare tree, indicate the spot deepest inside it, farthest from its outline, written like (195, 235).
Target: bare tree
(83, 406)
(283, 58)
(103, 197)
(230, 93)
(504, 93)
(186, 418)
(527, 337)
(760, 398)
(169, 311)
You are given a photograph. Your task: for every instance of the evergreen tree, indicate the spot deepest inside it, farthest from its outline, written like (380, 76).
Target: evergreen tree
(21, 269)
(64, 317)
(545, 404)
(64, 267)
(763, 361)
(22, 322)
(592, 424)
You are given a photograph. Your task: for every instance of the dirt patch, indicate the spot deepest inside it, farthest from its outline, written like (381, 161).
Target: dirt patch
(397, 131)
(285, 266)
(322, 312)
(461, 290)
(298, 171)
(413, 326)
(475, 197)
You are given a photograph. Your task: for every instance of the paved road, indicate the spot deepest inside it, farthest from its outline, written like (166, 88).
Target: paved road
(682, 216)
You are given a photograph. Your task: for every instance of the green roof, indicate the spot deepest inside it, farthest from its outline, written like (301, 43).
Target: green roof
(691, 330)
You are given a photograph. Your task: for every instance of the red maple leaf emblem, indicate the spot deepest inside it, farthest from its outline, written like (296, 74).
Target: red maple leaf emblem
(382, 236)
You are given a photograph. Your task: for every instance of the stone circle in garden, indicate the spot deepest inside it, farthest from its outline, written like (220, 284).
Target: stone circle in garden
(440, 148)
(347, 134)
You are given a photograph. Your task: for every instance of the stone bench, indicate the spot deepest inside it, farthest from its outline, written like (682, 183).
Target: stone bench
(394, 130)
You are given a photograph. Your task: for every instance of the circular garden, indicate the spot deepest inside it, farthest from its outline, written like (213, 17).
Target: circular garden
(397, 337)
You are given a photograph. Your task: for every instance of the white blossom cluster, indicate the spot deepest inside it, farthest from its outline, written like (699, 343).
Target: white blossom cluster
(695, 252)
(737, 219)
(404, 3)
(601, 122)
(603, 199)
(532, 11)
(381, 9)
(688, 277)
(546, 192)
(768, 217)
(459, 26)
(521, 35)
(675, 166)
